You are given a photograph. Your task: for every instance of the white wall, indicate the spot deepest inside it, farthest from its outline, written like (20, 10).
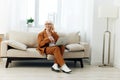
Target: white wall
(117, 45)
(117, 38)
(99, 26)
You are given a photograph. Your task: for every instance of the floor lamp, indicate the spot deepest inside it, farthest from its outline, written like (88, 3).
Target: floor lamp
(107, 12)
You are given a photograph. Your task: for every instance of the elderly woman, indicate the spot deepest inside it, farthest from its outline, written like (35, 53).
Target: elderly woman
(46, 45)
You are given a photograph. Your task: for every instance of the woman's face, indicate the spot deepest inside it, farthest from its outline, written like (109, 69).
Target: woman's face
(48, 26)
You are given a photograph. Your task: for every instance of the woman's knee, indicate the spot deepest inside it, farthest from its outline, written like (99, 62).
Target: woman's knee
(57, 48)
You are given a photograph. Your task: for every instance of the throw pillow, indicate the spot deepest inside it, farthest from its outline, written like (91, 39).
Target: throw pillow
(17, 45)
(73, 37)
(75, 47)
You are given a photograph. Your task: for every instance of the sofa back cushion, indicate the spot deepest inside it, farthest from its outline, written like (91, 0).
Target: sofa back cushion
(27, 38)
(72, 37)
(30, 38)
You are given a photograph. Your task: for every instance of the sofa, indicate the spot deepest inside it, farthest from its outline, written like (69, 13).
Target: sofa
(20, 45)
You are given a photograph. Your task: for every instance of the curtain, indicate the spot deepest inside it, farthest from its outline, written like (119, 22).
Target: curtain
(4, 5)
(18, 14)
(76, 16)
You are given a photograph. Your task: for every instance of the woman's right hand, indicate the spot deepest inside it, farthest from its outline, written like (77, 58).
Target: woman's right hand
(51, 39)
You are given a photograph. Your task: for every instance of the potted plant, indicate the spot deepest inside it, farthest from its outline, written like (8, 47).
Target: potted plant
(30, 22)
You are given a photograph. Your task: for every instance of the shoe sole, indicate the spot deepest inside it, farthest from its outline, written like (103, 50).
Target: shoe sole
(66, 72)
(55, 70)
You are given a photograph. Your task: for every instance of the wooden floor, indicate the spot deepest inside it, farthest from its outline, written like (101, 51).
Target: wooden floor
(42, 71)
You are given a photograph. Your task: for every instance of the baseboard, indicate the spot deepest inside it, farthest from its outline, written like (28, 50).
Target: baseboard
(117, 65)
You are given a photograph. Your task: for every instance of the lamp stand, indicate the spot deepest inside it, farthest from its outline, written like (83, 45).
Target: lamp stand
(107, 32)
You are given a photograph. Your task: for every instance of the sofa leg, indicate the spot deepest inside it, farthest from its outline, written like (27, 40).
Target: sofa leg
(81, 63)
(75, 61)
(7, 62)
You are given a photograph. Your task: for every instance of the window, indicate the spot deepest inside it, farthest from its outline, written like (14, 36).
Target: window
(42, 10)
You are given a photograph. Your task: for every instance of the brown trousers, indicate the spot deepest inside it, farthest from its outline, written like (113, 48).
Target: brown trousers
(57, 51)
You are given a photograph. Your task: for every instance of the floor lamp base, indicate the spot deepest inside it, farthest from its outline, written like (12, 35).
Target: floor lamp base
(106, 65)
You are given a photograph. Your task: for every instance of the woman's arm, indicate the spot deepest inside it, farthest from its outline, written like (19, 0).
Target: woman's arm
(42, 40)
(55, 35)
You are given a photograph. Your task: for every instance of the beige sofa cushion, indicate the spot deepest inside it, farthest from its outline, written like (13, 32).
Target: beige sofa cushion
(30, 38)
(75, 47)
(27, 38)
(73, 37)
(69, 54)
(29, 53)
(17, 45)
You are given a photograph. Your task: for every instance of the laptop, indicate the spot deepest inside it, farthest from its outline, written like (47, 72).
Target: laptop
(62, 41)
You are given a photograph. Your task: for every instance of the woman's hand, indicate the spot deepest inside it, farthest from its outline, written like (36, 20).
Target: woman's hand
(52, 29)
(48, 32)
(50, 37)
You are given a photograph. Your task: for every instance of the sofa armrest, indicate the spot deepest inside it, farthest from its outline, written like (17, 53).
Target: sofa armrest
(86, 48)
(4, 48)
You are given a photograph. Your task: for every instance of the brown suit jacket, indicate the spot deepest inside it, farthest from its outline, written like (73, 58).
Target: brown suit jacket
(43, 41)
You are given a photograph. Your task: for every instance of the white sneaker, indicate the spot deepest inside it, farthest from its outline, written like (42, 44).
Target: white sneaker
(65, 69)
(55, 68)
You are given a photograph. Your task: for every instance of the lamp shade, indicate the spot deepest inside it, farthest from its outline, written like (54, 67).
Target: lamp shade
(107, 12)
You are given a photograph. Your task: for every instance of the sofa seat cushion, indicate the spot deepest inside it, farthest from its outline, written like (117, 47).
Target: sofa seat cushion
(69, 55)
(29, 53)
